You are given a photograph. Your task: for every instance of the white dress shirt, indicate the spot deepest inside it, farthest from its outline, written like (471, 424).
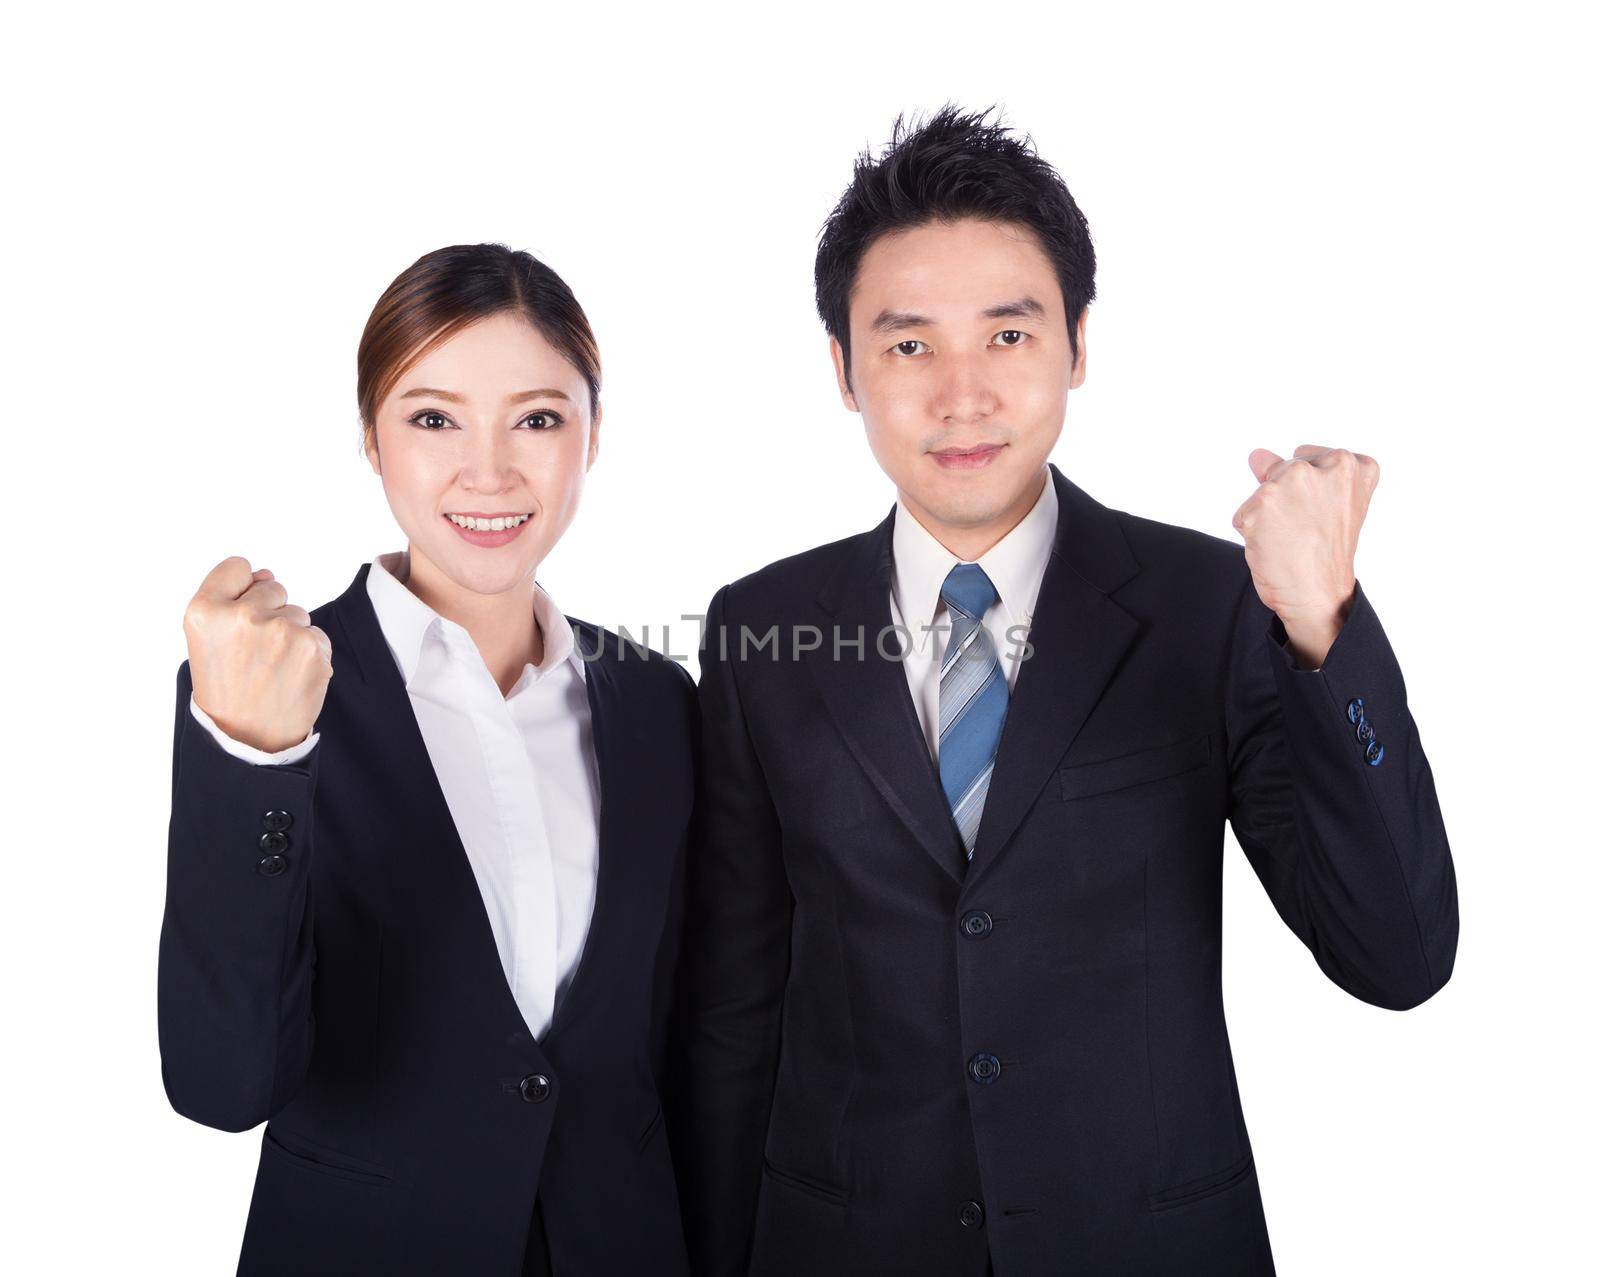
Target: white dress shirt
(1015, 564)
(517, 771)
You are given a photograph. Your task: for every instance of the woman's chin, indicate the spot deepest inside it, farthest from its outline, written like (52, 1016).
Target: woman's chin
(483, 570)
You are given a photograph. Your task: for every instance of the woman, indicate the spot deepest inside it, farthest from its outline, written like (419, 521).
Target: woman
(426, 942)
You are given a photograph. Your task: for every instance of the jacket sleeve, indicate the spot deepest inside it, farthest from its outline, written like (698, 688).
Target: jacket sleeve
(233, 994)
(1333, 803)
(732, 974)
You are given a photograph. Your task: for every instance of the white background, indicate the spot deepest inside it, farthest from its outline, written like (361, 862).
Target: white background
(1367, 226)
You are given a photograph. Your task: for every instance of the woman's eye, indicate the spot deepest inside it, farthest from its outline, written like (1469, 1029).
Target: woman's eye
(542, 420)
(429, 420)
(907, 347)
(1010, 337)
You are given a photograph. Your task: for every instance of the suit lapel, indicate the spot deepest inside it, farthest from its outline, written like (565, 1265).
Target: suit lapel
(870, 702)
(416, 812)
(619, 756)
(1079, 636)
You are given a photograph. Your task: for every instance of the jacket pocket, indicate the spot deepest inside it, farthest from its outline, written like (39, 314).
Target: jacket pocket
(1196, 1190)
(800, 1184)
(311, 1157)
(1080, 780)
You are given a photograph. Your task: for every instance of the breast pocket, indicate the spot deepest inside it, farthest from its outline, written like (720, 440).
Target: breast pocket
(1139, 767)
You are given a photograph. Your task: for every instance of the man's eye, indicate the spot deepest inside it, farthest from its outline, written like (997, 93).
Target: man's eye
(907, 347)
(1010, 337)
(542, 420)
(429, 420)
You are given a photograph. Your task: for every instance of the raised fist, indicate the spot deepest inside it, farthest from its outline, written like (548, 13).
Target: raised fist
(259, 668)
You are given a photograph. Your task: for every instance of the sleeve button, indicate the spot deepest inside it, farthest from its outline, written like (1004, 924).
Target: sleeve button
(271, 866)
(272, 843)
(1356, 710)
(1374, 752)
(276, 821)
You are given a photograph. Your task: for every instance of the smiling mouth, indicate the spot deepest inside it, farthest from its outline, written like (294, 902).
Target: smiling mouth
(489, 522)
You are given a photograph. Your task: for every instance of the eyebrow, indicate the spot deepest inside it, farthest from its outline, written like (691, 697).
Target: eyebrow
(426, 392)
(892, 321)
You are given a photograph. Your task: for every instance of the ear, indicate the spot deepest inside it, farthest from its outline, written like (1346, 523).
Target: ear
(845, 393)
(1080, 366)
(594, 437)
(369, 445)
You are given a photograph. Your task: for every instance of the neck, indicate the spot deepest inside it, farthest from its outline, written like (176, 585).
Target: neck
(502, 625)
(969, 542)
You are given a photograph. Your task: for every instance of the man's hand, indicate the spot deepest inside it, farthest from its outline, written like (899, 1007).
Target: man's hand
(259, 668)
(1300, 529)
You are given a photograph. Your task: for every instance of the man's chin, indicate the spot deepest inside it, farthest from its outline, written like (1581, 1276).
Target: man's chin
(968, 503)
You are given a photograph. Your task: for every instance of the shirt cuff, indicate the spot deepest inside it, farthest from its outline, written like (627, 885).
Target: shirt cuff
(249, 753)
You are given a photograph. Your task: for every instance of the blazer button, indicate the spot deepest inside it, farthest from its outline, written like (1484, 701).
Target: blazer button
(976, 924)
(535, 1088)
(1374, 752)
(271, 866)
(984, 1068)
(1356, 710)
(971, 1215)
(1364, 731)
(277, 821)
(272, 843)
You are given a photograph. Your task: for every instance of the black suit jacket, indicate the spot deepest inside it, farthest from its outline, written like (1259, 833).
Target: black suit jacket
(346, 989)
(846, 972)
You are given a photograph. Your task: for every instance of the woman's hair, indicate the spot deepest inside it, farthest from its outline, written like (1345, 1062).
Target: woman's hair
(443, 291)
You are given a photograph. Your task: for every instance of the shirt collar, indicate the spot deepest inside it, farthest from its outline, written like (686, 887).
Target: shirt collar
(406, 621)
(1015, 564)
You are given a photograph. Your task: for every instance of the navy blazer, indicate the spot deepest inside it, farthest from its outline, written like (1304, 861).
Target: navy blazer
(897, 1062)
(327, 967)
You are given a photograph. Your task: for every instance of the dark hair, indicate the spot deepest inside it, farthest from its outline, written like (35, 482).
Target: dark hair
(443, 291)
(952, 166)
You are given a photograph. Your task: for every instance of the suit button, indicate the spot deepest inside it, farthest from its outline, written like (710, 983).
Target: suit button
(1374, 752)
(984, 1068)
(271, 866)
(272, 843)
(971, 1215)
(976, 924)
(535, 1088)
(277, 821)
(1364, 731)
(1356, 710)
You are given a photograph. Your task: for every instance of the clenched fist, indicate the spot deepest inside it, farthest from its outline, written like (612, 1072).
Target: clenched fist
(1300, 529)
(260, 669)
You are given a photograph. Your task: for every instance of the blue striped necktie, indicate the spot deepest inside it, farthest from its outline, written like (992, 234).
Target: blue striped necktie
(972, 699)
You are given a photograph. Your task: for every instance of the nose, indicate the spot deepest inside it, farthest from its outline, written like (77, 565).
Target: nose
(965, 392)
(486, 465)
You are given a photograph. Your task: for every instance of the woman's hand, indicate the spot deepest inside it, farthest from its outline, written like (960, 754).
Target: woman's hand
(259, 668)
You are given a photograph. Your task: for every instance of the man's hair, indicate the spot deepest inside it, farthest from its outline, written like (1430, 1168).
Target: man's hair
(954, 165)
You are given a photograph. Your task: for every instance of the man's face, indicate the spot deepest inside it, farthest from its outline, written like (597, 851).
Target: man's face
(960, 365)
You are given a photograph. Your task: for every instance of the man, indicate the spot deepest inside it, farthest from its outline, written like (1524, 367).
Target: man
(951, 986)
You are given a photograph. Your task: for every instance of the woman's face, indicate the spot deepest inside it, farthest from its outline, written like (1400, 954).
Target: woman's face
(491, 425)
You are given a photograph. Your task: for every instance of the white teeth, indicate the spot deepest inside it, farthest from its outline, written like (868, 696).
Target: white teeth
(487, 525)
